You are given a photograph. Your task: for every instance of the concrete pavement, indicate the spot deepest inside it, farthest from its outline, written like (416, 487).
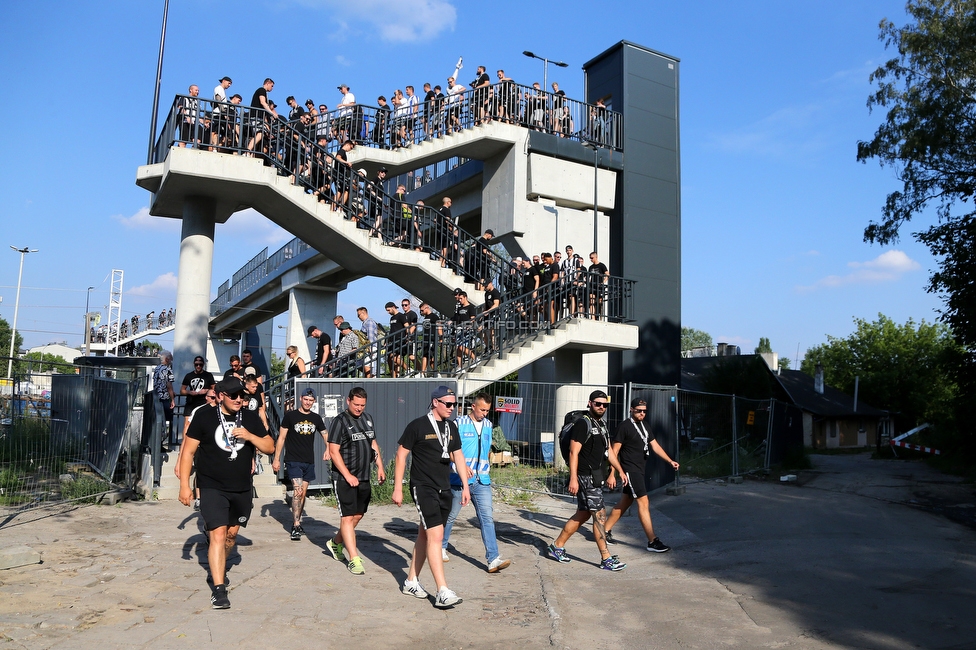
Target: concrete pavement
(837, 561)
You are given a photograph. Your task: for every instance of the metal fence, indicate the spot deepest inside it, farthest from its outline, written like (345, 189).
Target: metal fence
(67, 435)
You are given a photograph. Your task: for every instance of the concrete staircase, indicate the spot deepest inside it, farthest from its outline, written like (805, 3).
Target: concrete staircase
(265, 484)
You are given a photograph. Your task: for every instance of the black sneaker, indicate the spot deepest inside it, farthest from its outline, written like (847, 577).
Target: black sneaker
(610, 539)
(301, 531)
(657, 546)
(295, 534)
(219, 599)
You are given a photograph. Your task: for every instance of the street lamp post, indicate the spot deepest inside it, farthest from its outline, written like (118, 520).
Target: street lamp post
(13, 329)
(88, 323)
(596, 178)
(545, 67)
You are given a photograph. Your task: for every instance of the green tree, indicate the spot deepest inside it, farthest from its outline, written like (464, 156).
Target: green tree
(5, 342)
(277, 364)
(764, 345)
(784, 363)
(929, 93)
(899, 367)
(692, 338)
(43, 362)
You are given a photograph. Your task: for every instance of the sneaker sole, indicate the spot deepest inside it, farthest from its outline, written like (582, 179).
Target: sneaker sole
(657, 550)
(504, 565)
(415, 594)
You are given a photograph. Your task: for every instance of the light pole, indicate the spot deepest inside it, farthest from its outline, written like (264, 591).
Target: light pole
(159, 76)
(88, 323)
(596, 169)
(13, 329)
(545, 67)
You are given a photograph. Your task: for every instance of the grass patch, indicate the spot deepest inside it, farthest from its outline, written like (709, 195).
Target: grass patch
(382, 494)
(517, 485)
(84, 488)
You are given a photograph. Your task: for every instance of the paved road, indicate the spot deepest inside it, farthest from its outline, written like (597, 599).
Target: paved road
(837, 561)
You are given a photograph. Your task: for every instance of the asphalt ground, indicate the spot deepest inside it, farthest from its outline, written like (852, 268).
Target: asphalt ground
(854, 555)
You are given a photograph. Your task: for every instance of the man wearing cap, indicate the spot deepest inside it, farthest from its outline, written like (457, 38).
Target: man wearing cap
(220, 91)
(195, 386)
(222, 441)
(633, 444)
(475, 431)
(345, 115)
(432, 441)
(353, 450)
(464, 328)
(589, 449)
(371, 329)
(348, 343)
(324, 348)
(482, 257)
(301, 424)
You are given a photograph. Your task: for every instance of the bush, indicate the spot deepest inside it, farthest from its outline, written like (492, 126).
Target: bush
(383, 494)
(84, 488)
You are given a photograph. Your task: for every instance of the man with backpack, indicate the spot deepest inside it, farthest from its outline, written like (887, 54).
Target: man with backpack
(586, 453)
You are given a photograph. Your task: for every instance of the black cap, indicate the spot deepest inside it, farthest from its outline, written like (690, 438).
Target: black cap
(229, 385)
(490, 232)
(637, 401)
(223, 79)
(597, 394)
(389, 304)
(311, 328)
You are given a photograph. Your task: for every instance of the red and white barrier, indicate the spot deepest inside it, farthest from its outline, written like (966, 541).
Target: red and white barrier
(908, 445)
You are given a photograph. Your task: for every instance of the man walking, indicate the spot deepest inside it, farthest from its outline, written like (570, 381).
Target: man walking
(301, 424)
(589, 448)
(475, 432)
(372, 331)
(633, 443)
(223, 441)
(353, 449)
(432, 441)
(195, 386)
(164, 401)
(322, 350)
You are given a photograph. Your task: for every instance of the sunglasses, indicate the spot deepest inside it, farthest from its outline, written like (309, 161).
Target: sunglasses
(197, 363)
(640, 410)
(601, 405)
(234, 395)
(449, 405)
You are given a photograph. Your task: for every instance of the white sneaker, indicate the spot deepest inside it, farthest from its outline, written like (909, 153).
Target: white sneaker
(446, 598)
(498, 564)
(444, 556)
(413, 588)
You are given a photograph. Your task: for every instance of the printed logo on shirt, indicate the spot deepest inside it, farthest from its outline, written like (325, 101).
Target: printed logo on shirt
(305, 428)
(358, 436)
(431, 436)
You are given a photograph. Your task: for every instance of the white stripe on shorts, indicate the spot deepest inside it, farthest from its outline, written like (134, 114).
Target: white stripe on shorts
(416, 502)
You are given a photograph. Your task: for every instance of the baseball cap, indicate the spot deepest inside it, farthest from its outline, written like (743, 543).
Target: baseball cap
(223, 79)
(597, 394)
(312, 328)
(230, 385)
(308, 392)
(250, 372)
(637, 401)
(388, 305)
(341, 86)
(345, 326)
(441, 391)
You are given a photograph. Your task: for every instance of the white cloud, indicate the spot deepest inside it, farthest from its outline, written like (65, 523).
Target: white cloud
(341, 60)
(254, 229)
(163, 288)
(142, 220)
(777, 134)
(887, 267)
(403, 21)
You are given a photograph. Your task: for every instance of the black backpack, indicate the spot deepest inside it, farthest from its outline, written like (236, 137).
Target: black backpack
(564, 434)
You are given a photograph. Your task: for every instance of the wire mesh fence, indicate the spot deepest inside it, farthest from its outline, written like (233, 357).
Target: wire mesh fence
(63, 437)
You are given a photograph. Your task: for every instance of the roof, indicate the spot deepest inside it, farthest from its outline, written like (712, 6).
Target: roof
(832, 403)
(622, 43)
(57, 350)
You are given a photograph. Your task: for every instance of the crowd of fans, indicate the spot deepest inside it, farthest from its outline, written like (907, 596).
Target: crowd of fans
(112, 332)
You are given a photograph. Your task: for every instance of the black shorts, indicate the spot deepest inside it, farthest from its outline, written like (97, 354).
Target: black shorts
(636, 485)
(589, 498)
(433, 505)
(220, 508)
(352, 500)
(303, 471)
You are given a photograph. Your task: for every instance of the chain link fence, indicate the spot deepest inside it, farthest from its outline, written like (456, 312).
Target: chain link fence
(67, 436)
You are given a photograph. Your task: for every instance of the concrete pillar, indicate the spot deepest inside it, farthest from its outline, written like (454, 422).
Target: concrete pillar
(258, 340)
(312, 307)
(193, 283)
(219, 351)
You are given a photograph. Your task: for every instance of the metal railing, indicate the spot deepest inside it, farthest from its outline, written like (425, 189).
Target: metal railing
(252, 273)
(133, 328)
(232, 126)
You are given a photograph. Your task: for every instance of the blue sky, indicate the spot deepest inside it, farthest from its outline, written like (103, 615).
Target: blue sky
(772, 105)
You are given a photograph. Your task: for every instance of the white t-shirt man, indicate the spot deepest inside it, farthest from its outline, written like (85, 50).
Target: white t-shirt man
(347, 101)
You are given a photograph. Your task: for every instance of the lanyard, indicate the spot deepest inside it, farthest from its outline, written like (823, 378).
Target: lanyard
(229, 439)
(641, 431)
(443, 438)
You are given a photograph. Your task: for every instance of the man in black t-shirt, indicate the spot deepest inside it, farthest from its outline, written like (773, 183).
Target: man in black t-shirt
(633, 444)
(396, 339)
(464, 328)
(258, 122)
(410, 320)
(353, 449)
(324, 347)
(493, 298)
(589, 449)
(222, 440)
(301, 424)
(598, 275)
(433, 442)
(432, 339)
(195, 386)
(247, 361)
(253, 397)
(236, 370)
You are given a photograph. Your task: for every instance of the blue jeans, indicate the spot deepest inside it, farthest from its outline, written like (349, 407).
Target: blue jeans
(481, 498)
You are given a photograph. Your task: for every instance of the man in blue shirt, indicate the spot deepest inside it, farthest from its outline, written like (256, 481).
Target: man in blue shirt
(475, 431)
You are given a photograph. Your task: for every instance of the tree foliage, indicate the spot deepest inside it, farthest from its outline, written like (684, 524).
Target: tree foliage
(929, 93)
(277, 364)
(43, 362)
(900, 367)
(764, 345)
(692, 338)
(5, 341)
